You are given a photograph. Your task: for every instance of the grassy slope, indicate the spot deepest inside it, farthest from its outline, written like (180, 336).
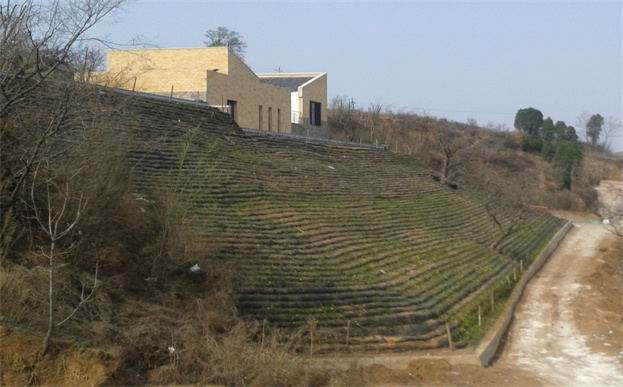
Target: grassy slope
(330, 235)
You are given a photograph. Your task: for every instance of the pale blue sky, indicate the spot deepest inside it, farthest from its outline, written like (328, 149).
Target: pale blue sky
(453, 59)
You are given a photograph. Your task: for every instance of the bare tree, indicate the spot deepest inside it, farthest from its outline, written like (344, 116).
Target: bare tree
(373, 117)
(57, 224)
(505, 204)
(40, 41)
(37, 41)
(454, 147)
(581, 121)
(224, 37)
(472, 122)
(611, 129)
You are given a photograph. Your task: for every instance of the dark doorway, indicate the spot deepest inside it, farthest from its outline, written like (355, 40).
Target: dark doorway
(314, 113)
(232, 108)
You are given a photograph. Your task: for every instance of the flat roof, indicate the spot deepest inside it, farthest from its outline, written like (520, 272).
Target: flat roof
(290, 81)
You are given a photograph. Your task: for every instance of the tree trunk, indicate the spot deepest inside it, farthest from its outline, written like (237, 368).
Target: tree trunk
(445, 172)
(48, 335)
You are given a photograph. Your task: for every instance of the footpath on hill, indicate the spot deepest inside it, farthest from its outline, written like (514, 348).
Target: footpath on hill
(568, 327)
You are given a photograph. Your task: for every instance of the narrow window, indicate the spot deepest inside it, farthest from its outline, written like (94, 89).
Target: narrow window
(314, 113)
(270, 118)
(278, 120)
(259, 120)
(232, 108)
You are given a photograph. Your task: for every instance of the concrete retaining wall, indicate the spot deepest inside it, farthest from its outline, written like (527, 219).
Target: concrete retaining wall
(489, 345)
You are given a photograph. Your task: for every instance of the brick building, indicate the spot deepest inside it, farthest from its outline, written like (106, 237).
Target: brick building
(217, 76)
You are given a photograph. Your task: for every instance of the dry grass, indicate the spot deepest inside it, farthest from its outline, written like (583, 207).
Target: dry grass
(499, 151)
(241, 356)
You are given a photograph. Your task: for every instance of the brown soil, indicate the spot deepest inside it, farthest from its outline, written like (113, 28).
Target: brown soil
(63, 365)
(436, 373)
(602, 324)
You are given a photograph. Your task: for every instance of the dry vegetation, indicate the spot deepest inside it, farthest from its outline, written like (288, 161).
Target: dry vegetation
(98, 282)
(149, 317)
(469, 155)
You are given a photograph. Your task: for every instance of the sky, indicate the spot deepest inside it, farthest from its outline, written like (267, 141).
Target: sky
(458, 60)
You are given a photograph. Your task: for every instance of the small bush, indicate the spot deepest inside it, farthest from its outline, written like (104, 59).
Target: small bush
(532, 144)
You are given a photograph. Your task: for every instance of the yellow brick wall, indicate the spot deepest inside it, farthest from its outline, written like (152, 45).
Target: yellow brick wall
(157, 70)
(191, 73)
(315, 91)
(244, 87)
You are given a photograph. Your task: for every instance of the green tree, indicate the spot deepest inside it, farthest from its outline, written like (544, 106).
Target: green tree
(529, 121)
(569, 134)
(548, 130)
(560, 129)
(567, 160)
(594, 127)
(550, 136)
(224, 37)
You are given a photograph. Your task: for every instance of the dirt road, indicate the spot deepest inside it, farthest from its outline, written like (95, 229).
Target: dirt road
(557, 324)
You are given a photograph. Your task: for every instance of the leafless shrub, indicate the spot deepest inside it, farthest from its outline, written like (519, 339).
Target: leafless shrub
(454, 148)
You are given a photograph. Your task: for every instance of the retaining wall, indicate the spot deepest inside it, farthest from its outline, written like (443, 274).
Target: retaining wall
(483, 354)
(489, 345)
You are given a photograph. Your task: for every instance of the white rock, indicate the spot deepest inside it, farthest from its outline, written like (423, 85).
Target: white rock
(195, 268)
(171, 349)
(606, 221)
(331, 167)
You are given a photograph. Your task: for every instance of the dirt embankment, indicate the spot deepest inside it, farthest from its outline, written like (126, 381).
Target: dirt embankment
(602, 325)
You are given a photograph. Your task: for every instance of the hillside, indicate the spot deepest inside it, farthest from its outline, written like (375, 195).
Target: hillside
(477, 152)
(341, 238)
(209, 239)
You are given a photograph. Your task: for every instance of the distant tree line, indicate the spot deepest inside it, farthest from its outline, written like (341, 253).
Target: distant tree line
(556, 141)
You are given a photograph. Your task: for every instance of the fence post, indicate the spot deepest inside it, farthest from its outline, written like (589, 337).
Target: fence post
(263, 327)
(311, 338)
(134, 85)
(171, 95)
(492, 300)
(449, 333)
(521, 266)
(479, 316)
(348, 333)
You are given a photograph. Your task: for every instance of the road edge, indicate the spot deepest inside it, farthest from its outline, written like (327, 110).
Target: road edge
(490, 344)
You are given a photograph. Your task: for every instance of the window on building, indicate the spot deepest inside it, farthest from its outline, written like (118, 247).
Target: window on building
(314, 113)
(232, 108)
(270, 119)
(278, 120)
(259, 119)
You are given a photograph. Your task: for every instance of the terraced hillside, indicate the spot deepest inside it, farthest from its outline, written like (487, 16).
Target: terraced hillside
(359, 243)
